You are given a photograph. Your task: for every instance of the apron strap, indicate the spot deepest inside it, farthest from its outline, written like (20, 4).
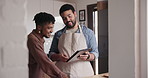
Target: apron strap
(80, 28)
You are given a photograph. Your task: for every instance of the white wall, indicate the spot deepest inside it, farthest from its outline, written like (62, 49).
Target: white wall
(127, 39)
(121, 39)
(147, 37)
(13, 52)
(143, 38)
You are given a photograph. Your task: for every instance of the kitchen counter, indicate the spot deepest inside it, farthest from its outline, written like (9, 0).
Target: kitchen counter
(104, 75)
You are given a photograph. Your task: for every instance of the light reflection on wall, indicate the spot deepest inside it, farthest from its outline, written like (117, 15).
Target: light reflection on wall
(58, 24)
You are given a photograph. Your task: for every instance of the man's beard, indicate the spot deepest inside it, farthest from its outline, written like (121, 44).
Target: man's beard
(70, 26)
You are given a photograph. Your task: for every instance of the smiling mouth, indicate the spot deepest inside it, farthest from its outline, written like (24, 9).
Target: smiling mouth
(49, 34)
(69, 23)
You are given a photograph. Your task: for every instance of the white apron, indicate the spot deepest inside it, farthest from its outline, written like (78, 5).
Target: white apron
(68, 44)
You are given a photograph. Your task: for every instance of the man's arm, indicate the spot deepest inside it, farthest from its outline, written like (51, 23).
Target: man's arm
(41, 58)
(91, 43)
(59, 57)
(54, 53)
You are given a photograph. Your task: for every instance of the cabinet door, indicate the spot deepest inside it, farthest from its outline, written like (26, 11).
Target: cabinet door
(103, 36)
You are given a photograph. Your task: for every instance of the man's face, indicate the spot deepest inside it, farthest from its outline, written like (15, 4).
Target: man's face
(47, 29)
(69, 18)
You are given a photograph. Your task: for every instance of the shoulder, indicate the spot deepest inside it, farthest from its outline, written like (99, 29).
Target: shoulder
(87, 30)
(59, 32)
(32, 38)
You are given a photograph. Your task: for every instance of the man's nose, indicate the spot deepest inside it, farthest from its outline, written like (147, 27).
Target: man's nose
(67, 19)
(51, 30)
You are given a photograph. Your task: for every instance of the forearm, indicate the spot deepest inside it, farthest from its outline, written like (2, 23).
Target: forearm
(55, 57)
(59, 57)
(55, 72)
(52, 70)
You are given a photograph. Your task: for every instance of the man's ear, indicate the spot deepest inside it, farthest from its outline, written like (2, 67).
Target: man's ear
(75, 13)
(39, 27)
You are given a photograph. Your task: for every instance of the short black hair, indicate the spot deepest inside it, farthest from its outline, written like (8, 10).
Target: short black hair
(66, 7)
(42, 18)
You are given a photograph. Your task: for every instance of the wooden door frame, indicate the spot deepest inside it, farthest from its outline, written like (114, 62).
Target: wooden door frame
(101, 5)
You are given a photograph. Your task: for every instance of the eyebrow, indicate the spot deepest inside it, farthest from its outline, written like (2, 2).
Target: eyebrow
(67, 15)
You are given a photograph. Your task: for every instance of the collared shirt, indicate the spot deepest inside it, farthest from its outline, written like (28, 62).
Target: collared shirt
(39, 63)
(89, 36)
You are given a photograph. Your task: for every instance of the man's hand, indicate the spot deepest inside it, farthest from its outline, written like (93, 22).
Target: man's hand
(59, 57)
(86, 56)
(63, 57)
(62, 75)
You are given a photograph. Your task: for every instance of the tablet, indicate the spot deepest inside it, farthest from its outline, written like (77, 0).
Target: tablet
(77, 53)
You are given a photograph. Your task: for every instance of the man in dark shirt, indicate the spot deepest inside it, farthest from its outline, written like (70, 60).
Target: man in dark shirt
(39, 63)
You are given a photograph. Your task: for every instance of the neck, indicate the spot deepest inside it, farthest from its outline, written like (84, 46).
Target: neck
(40, 34)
